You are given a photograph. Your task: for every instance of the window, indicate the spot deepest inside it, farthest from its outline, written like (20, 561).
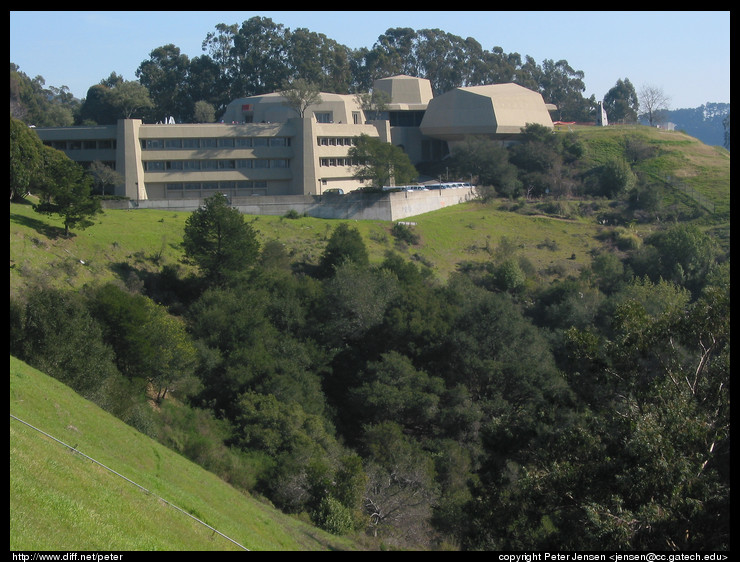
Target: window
(260, 141)
(325, 117)
(154, 166)
(243, 142)
(151, 144)
(226, 143)
(191, 143)
(209, 143)
(173, 143)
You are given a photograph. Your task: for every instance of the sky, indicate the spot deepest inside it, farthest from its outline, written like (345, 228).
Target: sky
(686, 54)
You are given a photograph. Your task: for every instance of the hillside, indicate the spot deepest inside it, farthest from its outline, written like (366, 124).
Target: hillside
(60, 500)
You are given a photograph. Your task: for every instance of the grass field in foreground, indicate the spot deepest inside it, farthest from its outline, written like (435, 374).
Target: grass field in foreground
(61, 500)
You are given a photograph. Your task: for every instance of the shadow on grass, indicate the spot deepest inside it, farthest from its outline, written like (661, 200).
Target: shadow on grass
(40, 226)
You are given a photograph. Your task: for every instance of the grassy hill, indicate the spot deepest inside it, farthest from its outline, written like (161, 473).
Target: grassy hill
(148, 498)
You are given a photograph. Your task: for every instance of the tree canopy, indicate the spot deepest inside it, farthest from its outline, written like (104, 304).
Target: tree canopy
(219, 241)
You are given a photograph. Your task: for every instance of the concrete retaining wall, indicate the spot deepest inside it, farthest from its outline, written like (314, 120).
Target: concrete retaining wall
(359, 206)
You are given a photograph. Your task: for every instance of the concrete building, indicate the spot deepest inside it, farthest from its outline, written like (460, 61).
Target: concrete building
(263, 148)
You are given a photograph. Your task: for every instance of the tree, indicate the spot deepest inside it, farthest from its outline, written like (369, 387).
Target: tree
(65, 189)
(165, 76)
(257, 61)
(25, 158)
(218, 241)
(105, 178)
(621, 103)
(392, 389)
(685, 255)
(345, 244)
(615, 177)
(488, 163)
(373, 103)
(35, 104)
(563, 86)
(150, 344)
(654, 100)
(131, 98)
(539, 160)
(204, 112)
(56, 333)
(300, 94)
(400, 489)
(318, 60)
(115, 98)
(380, 162)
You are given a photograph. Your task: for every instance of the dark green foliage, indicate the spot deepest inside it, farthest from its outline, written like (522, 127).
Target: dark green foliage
(381, 163)
(53, 331)
(393, 389)
(65, 189)
(588, 414)
(219, 241)
(25, 158)
(148, 341)
(685, 256)
(488, 163)
(345, 245)
(614, 178)
(404, 234)
(621, 103)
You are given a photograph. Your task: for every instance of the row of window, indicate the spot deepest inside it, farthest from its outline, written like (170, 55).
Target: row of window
(336, 141)
(220, 142)
(99, 144)
(336, 162)
(209, 165)
(220, 185)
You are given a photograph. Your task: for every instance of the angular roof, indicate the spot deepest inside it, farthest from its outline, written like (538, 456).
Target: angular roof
(405, 92)
(496, 110)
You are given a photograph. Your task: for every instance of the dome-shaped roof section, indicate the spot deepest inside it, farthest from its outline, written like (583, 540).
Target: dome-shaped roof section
(497, 110)
(405, 92)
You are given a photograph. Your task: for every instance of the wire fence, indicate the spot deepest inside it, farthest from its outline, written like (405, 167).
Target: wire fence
(688, 191)
(76, 451)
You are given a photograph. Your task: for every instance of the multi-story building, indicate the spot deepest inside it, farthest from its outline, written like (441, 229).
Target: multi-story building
(262, 147)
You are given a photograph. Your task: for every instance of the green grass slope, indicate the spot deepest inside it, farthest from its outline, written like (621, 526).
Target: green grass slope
(135, 495)
(123, 242)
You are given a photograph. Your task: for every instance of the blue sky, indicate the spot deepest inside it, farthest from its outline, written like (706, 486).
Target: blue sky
(685, 53)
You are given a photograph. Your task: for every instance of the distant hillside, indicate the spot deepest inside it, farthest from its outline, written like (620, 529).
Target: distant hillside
(703, 123)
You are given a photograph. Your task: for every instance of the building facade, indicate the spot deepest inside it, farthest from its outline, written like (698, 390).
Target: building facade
(263, 148)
